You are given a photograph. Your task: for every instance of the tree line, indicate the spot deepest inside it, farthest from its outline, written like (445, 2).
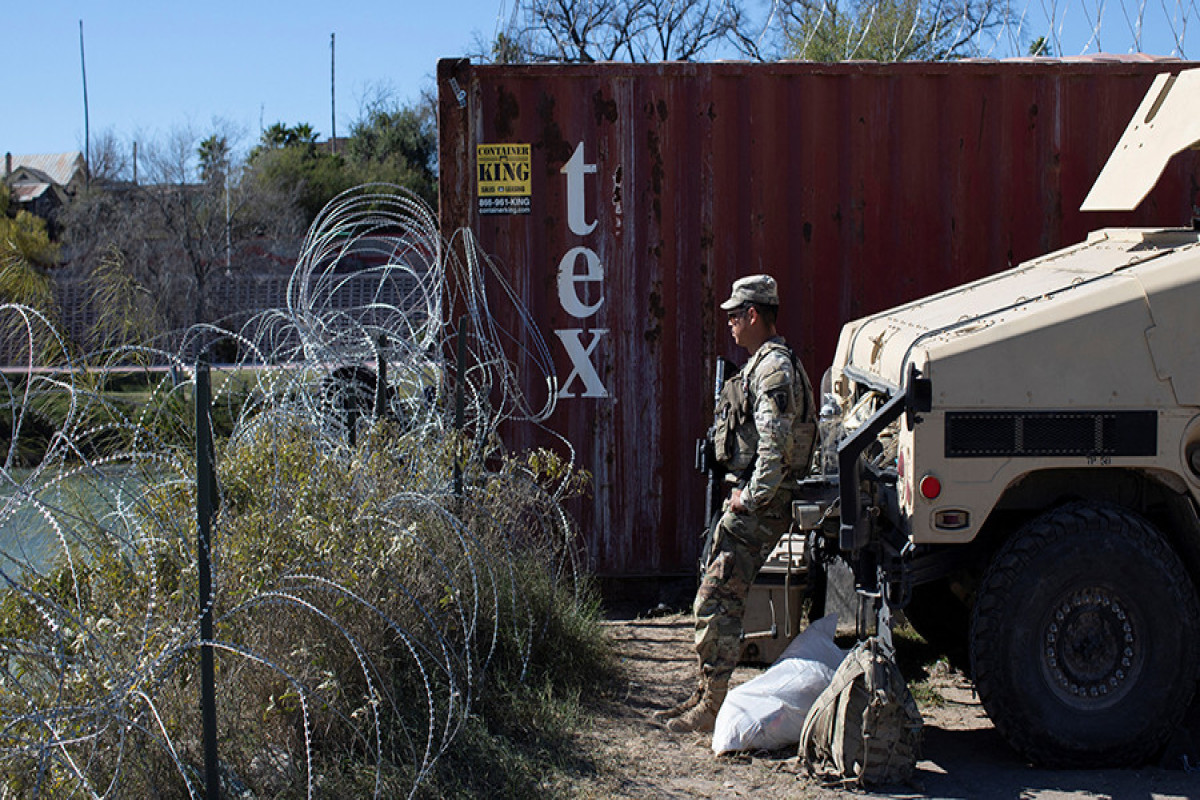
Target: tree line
(161, 222)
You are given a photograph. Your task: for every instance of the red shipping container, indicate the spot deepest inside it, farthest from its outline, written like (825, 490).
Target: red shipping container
(630, 196)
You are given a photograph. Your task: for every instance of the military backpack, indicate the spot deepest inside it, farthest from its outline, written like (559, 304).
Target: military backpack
(864, 729)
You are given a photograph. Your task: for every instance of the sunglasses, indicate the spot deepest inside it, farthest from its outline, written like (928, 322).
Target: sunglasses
(738, 314)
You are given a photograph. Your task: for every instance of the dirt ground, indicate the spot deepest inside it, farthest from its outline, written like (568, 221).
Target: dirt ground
(963, 756)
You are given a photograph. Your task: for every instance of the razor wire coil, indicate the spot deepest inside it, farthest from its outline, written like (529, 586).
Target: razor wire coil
(392, 596)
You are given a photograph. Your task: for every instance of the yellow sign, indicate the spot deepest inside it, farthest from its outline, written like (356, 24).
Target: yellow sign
(504, 178)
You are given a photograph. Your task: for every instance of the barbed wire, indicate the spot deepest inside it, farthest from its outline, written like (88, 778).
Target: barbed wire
(376, 550)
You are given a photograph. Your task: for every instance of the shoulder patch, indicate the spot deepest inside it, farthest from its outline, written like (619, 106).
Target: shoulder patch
(781, 398)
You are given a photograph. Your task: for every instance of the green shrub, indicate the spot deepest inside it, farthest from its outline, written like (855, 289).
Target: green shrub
(376, 633)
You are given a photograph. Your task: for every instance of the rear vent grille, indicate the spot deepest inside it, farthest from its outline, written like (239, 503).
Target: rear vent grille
(986, 434)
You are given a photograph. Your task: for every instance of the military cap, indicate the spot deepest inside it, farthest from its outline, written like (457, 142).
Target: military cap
(757, 289)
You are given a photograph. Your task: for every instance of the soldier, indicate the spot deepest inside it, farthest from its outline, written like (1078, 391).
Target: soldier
(763, 434)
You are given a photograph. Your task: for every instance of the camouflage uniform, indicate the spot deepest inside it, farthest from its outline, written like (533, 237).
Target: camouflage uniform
(773, 448)
(763, 433)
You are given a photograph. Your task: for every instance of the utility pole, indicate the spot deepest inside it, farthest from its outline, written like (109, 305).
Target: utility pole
(228, 226)
(87, 144)
(332, 97)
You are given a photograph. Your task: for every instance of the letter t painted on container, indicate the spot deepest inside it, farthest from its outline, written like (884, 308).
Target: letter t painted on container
(575, 169)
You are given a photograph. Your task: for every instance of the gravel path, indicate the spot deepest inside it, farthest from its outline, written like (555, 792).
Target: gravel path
(964, 757)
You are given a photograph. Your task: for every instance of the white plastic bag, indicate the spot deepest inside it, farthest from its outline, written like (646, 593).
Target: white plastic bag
(815, 643)
(768, 712)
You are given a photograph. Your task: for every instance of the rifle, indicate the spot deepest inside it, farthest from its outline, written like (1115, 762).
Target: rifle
(706, 462)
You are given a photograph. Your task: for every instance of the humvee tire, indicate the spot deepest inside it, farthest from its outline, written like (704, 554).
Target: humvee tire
(1084, 638)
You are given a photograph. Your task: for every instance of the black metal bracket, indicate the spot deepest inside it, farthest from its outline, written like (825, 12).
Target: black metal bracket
(916, 397)
(919, 393)
(853, 535)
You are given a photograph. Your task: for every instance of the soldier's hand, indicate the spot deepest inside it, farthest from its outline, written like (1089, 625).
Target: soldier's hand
(735, 502)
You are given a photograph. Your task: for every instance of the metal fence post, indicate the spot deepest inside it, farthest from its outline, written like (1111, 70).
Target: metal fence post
(381, 387)
(205, 497)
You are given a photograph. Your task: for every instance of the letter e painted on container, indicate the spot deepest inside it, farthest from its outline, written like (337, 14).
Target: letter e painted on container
(569, 279)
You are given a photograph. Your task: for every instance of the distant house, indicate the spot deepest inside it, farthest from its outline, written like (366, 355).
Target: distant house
(41, 184)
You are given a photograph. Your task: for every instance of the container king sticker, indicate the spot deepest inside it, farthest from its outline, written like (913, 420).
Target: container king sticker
(504, 185)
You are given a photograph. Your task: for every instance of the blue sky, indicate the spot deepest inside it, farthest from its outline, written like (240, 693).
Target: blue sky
(154, 66)
(157, 66)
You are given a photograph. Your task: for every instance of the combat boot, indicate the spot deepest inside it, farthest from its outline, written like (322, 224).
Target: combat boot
(702, 717)
(682, 708)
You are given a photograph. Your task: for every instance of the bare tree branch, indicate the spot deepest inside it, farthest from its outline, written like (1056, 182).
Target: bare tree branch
(584, 31)
(170, 235)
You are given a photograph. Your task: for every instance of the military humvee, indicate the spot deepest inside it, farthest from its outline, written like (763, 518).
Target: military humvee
(1016, 464)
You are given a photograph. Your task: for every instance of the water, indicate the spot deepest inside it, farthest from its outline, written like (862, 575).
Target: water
(41, 512)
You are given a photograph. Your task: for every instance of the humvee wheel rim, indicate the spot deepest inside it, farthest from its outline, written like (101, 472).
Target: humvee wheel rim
(1090, 649)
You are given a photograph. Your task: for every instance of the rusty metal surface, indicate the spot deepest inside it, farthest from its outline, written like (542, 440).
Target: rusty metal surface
(859, 186)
